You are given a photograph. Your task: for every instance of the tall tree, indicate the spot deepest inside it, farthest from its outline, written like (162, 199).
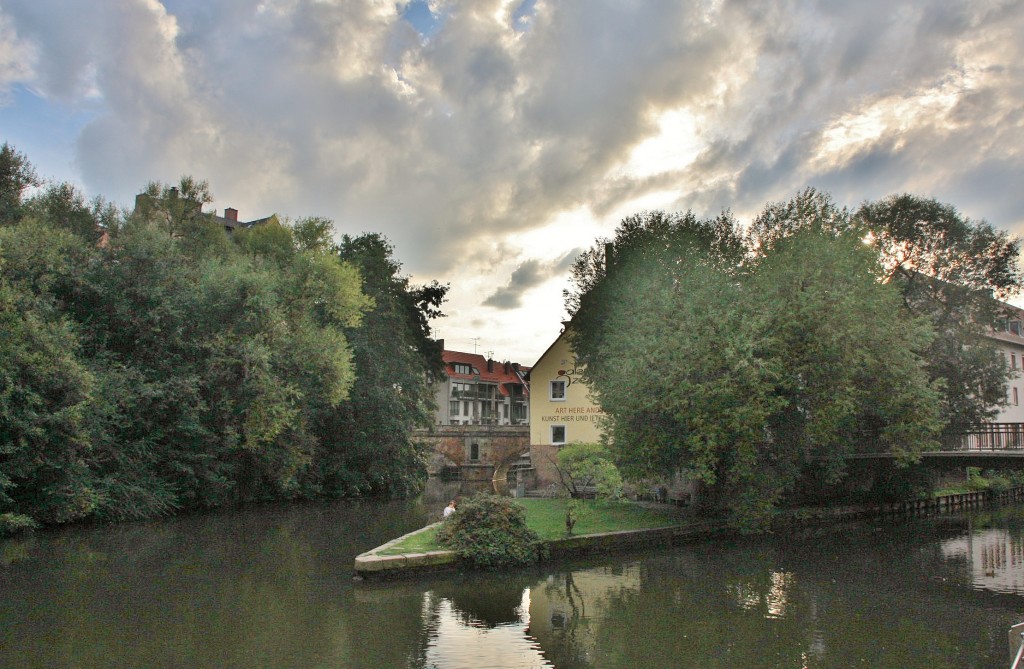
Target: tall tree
(371, 449)
(45, 394)
(948, 269)
(747, 371)
(16, 175)
(63, 206)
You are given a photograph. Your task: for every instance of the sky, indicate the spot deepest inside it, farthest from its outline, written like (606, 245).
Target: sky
(492, 141)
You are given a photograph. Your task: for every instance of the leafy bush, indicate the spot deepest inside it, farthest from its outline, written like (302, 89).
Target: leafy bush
(12, 523)
(586, 467)
(490, 532)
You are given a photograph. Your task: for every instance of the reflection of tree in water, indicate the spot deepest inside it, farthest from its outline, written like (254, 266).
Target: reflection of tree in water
(486, 600)
(568, 623)
(477, 621)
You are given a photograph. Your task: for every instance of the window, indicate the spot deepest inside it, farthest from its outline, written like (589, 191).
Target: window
(1015, 327)
(453, 408)
(462, 368)
(558, 391)
(1013, 361)
(557, 434)
(474, 452)
(1015, 398)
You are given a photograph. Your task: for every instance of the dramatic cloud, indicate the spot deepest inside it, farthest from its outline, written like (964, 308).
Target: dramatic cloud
(489, 139)
(529, 274)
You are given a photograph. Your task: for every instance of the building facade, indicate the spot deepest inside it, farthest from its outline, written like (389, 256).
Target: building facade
(1008, 337)
(479, 391)
(561, 409)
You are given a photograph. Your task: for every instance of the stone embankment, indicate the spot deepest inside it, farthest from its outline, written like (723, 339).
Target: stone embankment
(379, 563)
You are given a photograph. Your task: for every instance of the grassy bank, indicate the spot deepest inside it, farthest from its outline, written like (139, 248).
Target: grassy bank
(546, 517)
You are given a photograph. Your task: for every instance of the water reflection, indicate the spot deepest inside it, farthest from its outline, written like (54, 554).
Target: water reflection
(271, 587)
(460, 638)
(753, 596)
(994, 558)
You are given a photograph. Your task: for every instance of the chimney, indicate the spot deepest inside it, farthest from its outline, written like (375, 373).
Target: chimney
(508, 368)
(231, 214)
(490, 366)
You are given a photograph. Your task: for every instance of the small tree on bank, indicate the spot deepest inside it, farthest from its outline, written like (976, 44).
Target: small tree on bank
(584, 469)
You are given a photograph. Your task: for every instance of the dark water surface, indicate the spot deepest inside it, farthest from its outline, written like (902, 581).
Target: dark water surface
(271, 587)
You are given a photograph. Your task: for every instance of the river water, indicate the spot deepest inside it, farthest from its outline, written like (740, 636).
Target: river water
(271, 587)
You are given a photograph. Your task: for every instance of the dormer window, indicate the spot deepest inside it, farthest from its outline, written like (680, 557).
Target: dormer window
(462, 368)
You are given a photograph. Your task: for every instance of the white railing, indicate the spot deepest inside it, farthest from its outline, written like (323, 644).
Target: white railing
(1017, 639)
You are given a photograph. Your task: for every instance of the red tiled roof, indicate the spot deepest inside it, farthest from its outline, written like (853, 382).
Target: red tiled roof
(478, 363)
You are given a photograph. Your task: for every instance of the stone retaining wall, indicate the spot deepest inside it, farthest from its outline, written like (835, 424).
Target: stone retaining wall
(376, 566)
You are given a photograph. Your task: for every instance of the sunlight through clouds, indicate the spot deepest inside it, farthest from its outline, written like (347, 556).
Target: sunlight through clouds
(487, 140)
(673, 148)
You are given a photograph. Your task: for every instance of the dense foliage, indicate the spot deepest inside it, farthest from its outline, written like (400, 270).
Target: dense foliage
(752, 359)
(490, 532)
(152, 362)
(588, 469)
(947, 269)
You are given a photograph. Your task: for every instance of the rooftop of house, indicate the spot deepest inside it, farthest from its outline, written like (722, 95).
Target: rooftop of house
(476, 368)
(1010, 326)
(230, 220)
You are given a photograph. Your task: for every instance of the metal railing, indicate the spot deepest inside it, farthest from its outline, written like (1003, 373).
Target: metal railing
(1016, 632)
(988, 437)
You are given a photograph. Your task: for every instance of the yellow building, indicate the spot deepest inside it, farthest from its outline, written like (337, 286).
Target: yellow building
(561, 409)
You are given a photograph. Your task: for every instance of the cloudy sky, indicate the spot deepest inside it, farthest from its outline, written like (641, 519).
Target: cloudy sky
(493, 140)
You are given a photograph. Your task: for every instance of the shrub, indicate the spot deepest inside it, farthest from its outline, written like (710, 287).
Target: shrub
(12, 523)
(490, 532)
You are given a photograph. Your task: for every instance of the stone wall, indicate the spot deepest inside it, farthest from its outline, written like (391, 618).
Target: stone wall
(452, 445)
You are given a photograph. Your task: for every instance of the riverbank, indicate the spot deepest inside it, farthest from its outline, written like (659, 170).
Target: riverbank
(385, 561)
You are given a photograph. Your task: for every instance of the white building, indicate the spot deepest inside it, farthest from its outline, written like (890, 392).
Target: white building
(1008, 336)
(480, 391)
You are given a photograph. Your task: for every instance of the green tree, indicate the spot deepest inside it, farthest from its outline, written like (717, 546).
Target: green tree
(63, 207)
(745, 372)
(16, 175)
(44, 399)
(851, 376)
(368, 445)
(177, 211)
(583, 468)
(948, 269)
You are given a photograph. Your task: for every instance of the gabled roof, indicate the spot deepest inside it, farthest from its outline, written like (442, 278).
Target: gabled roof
(1009, 328)
(479, 366)
(565, 326)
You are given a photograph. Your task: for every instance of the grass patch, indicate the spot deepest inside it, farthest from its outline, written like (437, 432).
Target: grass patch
(546, 517)
(421, 542)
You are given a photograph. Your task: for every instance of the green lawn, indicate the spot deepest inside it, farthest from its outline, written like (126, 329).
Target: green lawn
(546, 517)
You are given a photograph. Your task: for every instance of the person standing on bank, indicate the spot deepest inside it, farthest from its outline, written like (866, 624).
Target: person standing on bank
(450, 509)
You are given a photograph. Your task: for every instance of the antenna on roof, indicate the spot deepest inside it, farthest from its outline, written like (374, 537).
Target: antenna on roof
(475, 340)
(489, 354)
